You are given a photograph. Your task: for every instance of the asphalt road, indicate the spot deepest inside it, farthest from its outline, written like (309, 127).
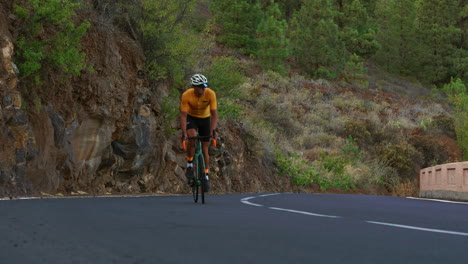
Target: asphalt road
(249, 228)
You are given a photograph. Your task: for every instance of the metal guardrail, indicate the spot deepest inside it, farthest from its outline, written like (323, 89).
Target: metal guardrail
(445, 181)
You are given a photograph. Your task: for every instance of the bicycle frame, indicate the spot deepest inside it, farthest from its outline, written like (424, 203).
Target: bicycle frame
(199, 171)
(199, 167)
(198, 186)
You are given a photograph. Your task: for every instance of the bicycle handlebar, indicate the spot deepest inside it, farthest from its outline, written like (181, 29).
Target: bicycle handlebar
(198, 137)
(184, 146)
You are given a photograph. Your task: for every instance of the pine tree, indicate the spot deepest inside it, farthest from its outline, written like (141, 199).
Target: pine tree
(288, 7)
(457, 95)
(437, 33)
(316, 43)
(461, 53)
(399, 49)
(238, 20)
(358, 35)
(272, 42)
(159, 25)
(370, 6)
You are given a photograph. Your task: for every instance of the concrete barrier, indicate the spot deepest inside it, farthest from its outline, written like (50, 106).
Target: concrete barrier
(445, 181)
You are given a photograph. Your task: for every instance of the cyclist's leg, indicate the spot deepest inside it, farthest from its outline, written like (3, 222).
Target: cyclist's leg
(191, 142)
(191, 132)
(204, 130)
(205, 147)
(192, 126)
(206, 156)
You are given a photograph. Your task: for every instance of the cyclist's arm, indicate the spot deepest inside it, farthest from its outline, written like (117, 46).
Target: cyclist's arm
(183, 123)
(214, 120)
(184, 107)
(214, 114)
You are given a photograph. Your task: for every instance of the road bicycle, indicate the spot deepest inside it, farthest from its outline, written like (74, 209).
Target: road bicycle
(199, 176)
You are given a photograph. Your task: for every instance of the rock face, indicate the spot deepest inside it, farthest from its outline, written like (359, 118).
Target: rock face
(101, 132)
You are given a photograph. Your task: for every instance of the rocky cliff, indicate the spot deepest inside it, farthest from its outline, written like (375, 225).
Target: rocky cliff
(101, 132)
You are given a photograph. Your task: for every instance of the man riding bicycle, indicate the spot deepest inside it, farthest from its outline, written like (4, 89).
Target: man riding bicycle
(198, 111)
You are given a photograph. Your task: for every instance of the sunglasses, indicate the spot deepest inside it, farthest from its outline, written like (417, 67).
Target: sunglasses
(202, 85)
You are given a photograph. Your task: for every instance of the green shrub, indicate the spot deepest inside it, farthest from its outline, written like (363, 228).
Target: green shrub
(31, 56)
(431, 148)
(260, 137)
(401, 156)
(21, 12)
(358, 130)
(274, 82)
(349, 102)
(443, 124)
(344, 182)
(350, 149)
(355, 71)
(458, 97)
(311, 139)
(169, 112)
(225, 77)
(296, 167)
(330, 179)
(334, 166)
(49, 37)
(278, 113)
(229, 110)
(333, 163)
(382, 174)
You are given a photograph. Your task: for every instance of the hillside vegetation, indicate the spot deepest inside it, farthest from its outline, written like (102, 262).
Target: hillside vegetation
(336, 94)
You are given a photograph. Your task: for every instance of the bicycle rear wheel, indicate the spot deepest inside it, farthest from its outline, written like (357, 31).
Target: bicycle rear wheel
(202, 178)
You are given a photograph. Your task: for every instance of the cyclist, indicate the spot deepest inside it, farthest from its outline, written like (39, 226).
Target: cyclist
(198, 111)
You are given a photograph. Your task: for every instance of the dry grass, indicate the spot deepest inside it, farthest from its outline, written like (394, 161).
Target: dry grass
(317, 139)
(309, 117)
(406, 189)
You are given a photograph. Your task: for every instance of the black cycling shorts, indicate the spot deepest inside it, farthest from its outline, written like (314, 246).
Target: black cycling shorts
(202, 124)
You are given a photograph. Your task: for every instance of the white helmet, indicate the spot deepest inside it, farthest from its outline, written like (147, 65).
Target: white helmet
(199, 79)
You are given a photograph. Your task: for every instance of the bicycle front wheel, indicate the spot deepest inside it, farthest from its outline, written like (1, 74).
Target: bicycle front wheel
(195, 191)
(202, 177)
(195, 183)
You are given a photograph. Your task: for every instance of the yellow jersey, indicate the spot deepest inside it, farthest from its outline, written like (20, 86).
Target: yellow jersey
(198, 106)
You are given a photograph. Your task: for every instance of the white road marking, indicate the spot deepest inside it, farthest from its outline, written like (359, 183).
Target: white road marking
(304, 213)
(270, 194)
(86, 197)
(437, 200)
(420, 228)
(245, 201)
(19, 198)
